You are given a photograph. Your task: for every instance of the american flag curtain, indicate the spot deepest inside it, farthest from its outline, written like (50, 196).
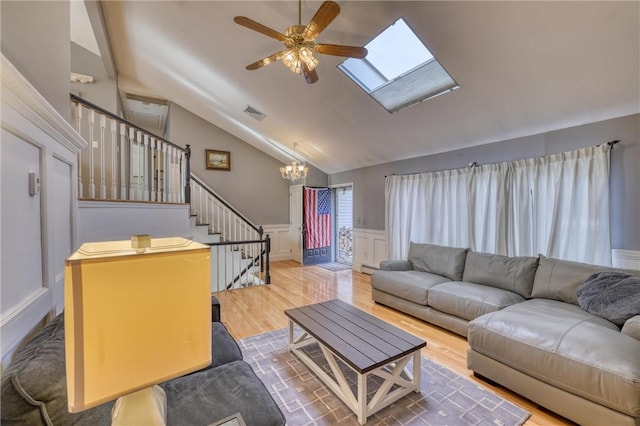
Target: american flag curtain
(317, 217)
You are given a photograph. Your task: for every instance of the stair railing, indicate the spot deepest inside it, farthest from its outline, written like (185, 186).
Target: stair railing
(124, 162)
(240, 257)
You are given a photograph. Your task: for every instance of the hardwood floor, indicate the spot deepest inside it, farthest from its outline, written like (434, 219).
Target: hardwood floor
(251, 311)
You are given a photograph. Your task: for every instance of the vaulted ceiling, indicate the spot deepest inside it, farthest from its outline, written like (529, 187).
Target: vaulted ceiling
(523, 68)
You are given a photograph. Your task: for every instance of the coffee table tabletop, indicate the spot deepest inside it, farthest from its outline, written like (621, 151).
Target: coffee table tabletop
(366, 344)
(360, 339)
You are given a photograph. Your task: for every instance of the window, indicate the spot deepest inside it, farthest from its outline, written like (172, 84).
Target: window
(399, 69)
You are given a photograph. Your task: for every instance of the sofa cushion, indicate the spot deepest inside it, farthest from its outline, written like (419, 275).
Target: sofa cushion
(34, 386)
(408, 285)
(224, 348)
(566, 347)
(614, 296)
(470, 300)
(508, 273)
(213, 394)
(559, 279)
(631, 327)
(445, 261)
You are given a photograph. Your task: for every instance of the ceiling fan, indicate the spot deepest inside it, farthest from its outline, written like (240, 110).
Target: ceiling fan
(299, 42)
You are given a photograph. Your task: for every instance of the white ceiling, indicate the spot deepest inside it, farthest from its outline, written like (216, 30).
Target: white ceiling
(523, 68)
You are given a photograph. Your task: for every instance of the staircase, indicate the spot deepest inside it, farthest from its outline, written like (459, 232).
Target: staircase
(123, 162)
(239, 253)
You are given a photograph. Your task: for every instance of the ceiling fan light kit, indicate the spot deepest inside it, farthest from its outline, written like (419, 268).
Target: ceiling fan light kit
(299, 42)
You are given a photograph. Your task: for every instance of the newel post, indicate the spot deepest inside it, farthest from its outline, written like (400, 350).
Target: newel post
(187, 185)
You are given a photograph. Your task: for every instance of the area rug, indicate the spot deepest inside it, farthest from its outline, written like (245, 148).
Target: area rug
(446, 398)
(334, 266)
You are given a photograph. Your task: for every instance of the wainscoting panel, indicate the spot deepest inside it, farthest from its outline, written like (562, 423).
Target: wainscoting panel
(370, 248)
(35, 139)
(279, 235)
(626, 259)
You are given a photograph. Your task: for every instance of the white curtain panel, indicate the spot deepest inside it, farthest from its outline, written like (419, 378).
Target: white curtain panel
(427, 208)
(556, 205)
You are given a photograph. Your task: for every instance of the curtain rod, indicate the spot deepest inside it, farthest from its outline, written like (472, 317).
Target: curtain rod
(475, 163)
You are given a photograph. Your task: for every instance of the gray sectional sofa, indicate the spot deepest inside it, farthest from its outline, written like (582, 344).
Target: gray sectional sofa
(34, 390)
(525, 327)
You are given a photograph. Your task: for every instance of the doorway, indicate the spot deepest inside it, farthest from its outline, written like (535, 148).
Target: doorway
(343, 228)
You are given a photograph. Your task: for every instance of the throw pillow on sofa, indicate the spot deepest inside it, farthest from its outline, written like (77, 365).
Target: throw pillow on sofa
(614, 296)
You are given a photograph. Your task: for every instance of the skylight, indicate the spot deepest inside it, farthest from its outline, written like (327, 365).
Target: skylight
(399, 69)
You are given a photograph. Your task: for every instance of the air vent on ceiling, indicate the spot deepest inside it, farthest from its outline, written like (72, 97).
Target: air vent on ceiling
(251, 111)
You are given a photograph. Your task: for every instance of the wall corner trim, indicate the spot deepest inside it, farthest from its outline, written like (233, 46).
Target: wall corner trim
(22, 97)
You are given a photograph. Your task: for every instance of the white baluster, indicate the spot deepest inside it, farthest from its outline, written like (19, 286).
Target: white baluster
(140, 166)
(160, 172)
(123, 161)
(133, 163)
(146, 167)
(78, 112)
(165, 174)
(218, 221)
(92, 184)
(169, 174)
(193, 192)
(174, 174)
(154, 180)
(103, 163)
(183, 175)
(114, 147)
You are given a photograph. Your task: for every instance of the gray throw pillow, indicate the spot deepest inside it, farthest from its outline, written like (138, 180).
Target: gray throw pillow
(614, 296)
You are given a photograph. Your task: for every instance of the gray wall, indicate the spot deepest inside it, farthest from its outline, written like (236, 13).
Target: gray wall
(35, 37)
(253, 186)
(315, 177)
(104, 91)
(369, 182)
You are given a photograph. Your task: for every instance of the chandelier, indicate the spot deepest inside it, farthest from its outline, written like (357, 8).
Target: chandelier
(295, 171)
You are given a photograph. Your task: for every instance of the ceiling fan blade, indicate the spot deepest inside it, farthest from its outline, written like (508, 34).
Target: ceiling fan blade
(266, 61)
(257, 26)
(310, 75)
(340, 50)
(323, 17)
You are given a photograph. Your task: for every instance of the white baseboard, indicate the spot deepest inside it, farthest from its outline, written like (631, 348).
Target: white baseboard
(16, 325)
(626, 259)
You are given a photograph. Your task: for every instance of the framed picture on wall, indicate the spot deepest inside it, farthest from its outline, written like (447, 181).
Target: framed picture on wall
(218, 160)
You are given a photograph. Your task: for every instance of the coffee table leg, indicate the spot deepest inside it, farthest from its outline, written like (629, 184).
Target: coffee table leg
(290, 335)
(417, 358)
(362, 398)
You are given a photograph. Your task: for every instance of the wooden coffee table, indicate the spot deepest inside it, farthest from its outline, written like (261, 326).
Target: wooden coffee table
(365, 344)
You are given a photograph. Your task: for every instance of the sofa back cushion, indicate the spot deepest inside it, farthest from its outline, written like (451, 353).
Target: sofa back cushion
(445, 261)
(558, 279)
(34, 386)
(508, 273)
